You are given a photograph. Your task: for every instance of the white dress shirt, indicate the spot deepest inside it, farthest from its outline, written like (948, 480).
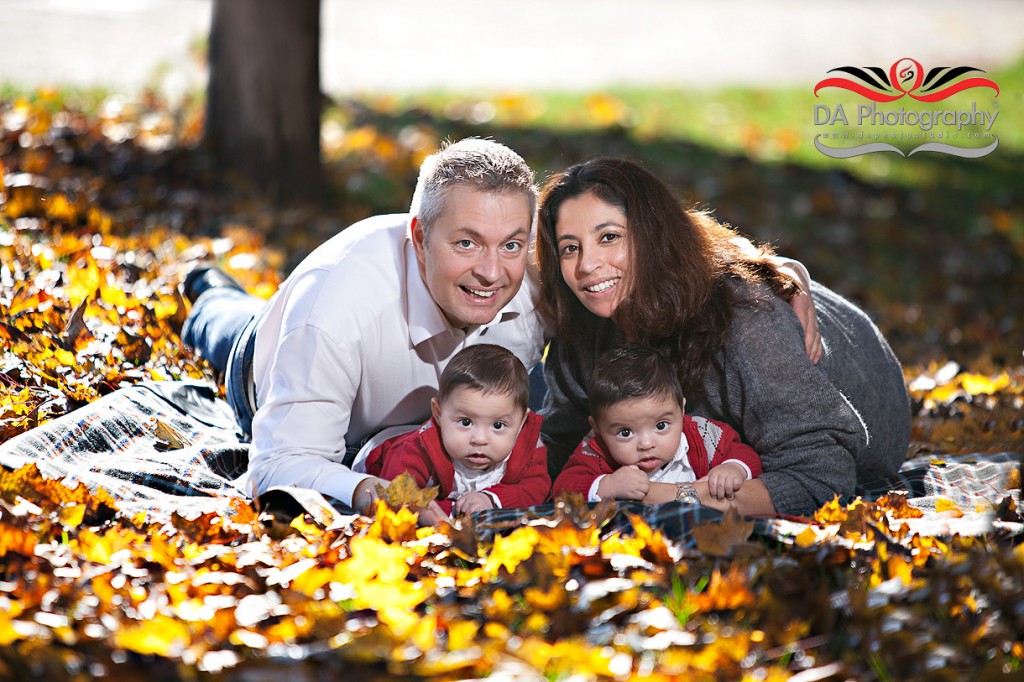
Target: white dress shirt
(353, 343)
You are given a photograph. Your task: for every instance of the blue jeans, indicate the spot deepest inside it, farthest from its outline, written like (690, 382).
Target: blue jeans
(222, 327)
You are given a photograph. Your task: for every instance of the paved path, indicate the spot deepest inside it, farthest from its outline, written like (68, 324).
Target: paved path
(399, 45)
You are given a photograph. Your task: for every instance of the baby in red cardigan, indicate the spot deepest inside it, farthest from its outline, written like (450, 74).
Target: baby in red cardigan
(641, 436)
(482, 445)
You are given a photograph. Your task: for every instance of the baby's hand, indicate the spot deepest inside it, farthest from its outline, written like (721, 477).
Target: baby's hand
(472, 502)
(627, 483)
(725, 479)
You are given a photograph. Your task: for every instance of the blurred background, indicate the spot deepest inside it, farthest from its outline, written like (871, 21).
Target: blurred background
(716, 97)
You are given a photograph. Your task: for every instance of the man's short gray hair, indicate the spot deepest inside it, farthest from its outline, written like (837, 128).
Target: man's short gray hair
(485, 165)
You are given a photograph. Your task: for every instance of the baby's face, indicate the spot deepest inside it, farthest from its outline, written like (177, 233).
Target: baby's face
(478, 429)
(641, 431)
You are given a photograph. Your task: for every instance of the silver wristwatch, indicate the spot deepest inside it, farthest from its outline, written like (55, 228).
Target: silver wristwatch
(687, 493)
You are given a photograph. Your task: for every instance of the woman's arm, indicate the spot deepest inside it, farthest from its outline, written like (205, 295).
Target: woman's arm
(804, 428)
(752, 499)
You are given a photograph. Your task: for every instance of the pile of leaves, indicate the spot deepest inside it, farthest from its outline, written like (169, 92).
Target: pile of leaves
(100, 217)
(854, 595)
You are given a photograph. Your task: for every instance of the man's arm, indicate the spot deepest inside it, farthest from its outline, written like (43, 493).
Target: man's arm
(299, 429)
(802, 303)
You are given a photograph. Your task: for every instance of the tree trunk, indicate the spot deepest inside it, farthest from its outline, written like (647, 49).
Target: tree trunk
(263, 99)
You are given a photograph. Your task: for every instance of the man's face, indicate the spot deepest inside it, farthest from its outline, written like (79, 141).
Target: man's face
(476, 254)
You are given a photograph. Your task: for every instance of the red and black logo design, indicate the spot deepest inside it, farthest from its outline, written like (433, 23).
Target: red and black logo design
(935, 128)
(906, 77)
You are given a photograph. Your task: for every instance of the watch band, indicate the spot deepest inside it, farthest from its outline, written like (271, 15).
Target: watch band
(687, 493)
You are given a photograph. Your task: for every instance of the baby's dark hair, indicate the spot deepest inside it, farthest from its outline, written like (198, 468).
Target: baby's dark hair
(488, 368)
(631, 371)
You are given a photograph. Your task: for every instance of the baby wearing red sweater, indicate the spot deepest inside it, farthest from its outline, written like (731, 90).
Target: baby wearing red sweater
(482, 445)
(641, 436)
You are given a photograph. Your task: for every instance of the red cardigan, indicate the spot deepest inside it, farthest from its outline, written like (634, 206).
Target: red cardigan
(590, 460)
(526, 481)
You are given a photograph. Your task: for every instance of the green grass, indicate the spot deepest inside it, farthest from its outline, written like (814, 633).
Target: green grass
(768, 125)
(55, 99)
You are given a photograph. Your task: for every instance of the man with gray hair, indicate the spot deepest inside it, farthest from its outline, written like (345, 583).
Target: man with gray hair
(355, 339)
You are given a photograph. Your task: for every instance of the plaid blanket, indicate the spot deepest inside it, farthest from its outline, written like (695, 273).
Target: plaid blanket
(165, 447)
(157, 447)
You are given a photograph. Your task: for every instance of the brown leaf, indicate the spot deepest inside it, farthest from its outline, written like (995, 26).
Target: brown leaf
(169, 437)
(719, 538)
(76, 334)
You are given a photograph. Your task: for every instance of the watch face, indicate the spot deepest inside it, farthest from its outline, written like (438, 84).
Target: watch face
(687, 494)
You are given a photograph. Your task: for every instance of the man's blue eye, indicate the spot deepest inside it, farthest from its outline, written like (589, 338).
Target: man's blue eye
(465, 243)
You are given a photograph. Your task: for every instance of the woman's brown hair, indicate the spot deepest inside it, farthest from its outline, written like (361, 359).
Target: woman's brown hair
(678, 299)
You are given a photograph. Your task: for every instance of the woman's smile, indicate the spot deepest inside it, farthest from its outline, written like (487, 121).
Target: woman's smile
(593, 252)
(601, 287)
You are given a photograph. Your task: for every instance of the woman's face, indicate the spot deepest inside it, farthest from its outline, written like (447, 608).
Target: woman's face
(593, 252)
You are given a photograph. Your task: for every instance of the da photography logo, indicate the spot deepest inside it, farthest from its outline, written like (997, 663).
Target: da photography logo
(925, 120)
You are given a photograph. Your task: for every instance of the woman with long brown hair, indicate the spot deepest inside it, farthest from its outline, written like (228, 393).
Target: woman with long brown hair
(622, 261)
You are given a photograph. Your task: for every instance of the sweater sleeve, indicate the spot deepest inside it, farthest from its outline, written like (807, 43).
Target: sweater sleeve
(580, 472)
(805, 430)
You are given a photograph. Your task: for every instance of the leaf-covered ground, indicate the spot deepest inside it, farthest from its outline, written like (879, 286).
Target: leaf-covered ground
(102, 214)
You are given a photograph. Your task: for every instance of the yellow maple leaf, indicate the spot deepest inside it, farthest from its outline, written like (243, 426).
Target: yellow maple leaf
(511, 550)
(8, 634)
(395, 603)
(978, 384)
(83, 281)
(159, 635)
(654, 542)
(617, 544)
(806, 538)
(403, 492)
(946, 505)
(831, 512)
(898, 567)
(371, 558)
(393, 525)
(72, 515)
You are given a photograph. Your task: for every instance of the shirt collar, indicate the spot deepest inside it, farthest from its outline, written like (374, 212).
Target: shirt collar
(426, 319)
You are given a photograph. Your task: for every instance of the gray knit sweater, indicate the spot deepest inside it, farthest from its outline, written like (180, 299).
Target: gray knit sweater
(818, 428)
